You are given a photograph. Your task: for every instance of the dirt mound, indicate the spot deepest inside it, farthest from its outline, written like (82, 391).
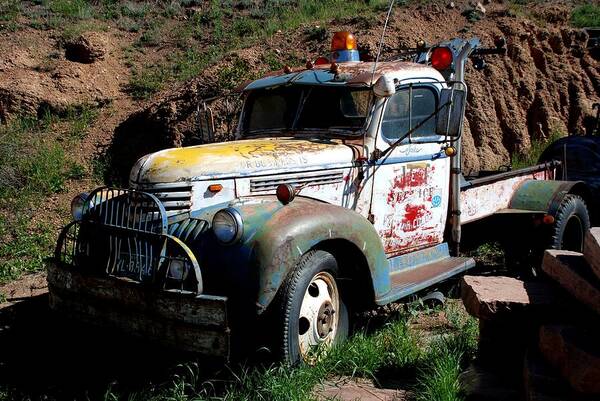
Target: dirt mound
(547, 82)
(37, 74)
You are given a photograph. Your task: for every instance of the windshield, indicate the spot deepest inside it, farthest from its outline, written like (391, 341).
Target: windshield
(305, 108)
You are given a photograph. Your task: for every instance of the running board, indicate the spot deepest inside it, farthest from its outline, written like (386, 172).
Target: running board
(408, 281)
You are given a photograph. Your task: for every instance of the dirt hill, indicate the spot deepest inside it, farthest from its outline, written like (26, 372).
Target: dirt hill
(545, 86)
(107, 82)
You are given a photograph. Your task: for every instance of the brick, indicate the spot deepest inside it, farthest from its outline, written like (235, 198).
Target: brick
(496, 297)
(573, 273)
(347, 389)
(575, 353)
(541, 381)
(591, 249)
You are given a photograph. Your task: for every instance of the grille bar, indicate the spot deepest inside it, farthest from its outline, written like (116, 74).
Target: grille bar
(271, 183)
(126, 209)
(175, 197)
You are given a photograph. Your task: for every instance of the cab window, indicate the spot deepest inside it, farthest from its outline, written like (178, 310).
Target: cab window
(407, 108)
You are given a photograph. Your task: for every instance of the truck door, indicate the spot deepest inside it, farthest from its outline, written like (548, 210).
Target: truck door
(411, 184)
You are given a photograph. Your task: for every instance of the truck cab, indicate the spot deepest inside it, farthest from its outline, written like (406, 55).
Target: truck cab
(342, 190)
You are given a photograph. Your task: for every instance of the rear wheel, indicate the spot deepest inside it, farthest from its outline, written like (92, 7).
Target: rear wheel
(524, 253)
(312, 310)
(571, 223)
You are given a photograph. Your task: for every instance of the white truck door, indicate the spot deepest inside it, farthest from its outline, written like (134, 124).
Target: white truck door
(411, 184)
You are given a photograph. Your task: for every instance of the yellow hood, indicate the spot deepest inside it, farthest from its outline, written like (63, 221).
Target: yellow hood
(240, 159)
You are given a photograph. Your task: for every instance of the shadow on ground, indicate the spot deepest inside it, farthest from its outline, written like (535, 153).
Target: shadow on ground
(45, 357)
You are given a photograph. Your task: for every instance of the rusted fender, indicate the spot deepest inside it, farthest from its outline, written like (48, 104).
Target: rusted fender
(545, 195)
(279, 235)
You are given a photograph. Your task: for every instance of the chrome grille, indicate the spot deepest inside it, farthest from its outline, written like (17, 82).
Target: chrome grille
(175, 197)
(318, 178)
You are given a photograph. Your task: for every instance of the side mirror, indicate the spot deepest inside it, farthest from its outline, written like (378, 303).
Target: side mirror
(384, 87)
(206, 123)
(450, 118)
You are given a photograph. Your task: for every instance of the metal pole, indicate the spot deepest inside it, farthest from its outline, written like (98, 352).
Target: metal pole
(455, 165)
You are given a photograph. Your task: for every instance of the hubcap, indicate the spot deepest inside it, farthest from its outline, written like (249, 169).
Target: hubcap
(318, 320)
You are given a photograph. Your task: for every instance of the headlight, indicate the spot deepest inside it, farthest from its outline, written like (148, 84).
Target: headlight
(227, 225)
(177, 270)
(77, 205)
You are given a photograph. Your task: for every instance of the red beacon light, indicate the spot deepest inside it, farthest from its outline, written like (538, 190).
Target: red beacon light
(322, 60)
(441, 58)
(344, 48)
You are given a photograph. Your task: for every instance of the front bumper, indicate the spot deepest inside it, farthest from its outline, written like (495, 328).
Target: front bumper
(189, 322)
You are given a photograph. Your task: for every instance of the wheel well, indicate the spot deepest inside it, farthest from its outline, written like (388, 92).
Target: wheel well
(354, 272)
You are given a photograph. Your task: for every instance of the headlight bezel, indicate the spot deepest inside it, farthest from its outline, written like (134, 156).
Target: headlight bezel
(78, 204)
(236, 218)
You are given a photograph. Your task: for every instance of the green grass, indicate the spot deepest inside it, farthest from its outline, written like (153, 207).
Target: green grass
(227, 33)
(586, 15)
(33, 165)
(531, 156)
(73, 9)
(395, 347)
(26, 248)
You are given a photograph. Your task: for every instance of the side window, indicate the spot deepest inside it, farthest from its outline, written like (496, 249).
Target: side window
(403, 113)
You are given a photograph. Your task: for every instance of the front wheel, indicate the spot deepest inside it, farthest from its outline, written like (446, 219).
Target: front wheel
(312, 310)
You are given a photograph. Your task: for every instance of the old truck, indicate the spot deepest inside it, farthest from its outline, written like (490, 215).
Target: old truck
(343, 191)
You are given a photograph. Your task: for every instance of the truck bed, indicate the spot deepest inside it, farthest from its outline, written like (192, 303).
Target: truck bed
(486, 195)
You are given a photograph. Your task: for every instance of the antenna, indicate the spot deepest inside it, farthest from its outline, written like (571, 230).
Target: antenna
(387, 18)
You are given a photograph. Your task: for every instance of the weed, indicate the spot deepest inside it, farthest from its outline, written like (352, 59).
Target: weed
(9, 10)
(80, 118)
(532, 155)
(317, 33)
(134, 10)
(3, 299)
(172, 9)
(270, 58)
(586, 15)
(439, 379)
(441, 365)
(23, 247)
(231, 76)
(74, 9)
(150, 37)
(129, 25)
(146, 81)
(245, 27)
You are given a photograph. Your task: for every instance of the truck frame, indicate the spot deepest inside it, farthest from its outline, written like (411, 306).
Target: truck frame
(343, 190)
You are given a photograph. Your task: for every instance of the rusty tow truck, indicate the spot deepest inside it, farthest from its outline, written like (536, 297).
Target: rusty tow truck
(343, 191)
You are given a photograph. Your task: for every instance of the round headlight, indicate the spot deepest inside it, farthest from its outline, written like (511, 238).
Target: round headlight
(77, 205)
(177, 270)
(227, 225)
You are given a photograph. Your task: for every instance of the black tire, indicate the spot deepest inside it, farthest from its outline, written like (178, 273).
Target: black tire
(315, 264)
(572, 220)
(524, 251)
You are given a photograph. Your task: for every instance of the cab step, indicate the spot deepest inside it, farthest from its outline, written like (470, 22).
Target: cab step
(428, 267)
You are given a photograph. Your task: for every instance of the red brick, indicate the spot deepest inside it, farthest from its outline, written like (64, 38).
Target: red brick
(542, 382)
(572, 272)
(497, 297)
(591, 249)
(575, 353)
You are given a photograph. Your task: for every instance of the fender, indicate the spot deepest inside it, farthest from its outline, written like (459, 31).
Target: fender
(545, 196)
(279, 235)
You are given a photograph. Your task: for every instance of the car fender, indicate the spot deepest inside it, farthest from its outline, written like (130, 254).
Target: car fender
(546, 195)
(279, 235)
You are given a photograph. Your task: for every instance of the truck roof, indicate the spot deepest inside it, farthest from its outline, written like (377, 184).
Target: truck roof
(350, 74)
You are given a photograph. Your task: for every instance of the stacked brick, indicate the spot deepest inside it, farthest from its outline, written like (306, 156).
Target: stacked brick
(543, 334)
